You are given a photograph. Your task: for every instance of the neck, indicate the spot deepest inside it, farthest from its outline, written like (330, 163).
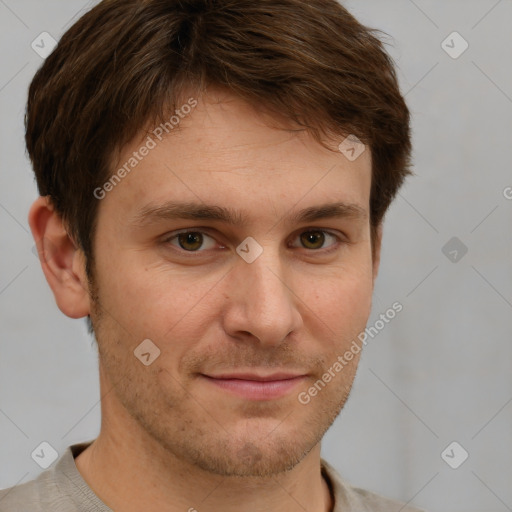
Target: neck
(133, 473)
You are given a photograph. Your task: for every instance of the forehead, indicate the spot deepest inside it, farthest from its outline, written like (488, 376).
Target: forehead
(225, 151)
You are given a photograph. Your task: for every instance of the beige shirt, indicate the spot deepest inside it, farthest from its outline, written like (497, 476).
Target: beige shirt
(61, 488)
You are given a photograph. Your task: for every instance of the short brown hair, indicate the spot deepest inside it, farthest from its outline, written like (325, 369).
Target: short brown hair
(124, 64)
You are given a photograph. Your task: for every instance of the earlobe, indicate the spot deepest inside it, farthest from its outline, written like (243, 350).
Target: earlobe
(62, 262)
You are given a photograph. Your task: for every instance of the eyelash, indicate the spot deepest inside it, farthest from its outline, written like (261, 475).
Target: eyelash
(175, 235)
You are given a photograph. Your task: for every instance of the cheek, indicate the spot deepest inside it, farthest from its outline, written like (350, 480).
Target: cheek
(159, 302)
(155, 301)
(342, 300)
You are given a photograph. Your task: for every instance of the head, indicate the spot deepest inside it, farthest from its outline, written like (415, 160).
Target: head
(236, 111)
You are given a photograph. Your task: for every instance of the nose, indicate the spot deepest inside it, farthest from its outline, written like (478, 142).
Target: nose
(262, 303)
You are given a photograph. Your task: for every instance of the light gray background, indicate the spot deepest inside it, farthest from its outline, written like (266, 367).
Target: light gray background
(439, 372)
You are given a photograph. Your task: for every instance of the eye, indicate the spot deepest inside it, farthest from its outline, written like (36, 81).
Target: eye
(314, 239)
(189, 241)
(192, 241)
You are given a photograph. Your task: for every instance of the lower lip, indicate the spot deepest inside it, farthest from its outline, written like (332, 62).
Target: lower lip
(257, 390)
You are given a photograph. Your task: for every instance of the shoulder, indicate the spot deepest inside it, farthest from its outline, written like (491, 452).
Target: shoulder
(26, 496)
(52, 490)
(377, 503)
(354, 499)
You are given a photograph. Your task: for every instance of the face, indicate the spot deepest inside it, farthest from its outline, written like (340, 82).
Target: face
(270, 291)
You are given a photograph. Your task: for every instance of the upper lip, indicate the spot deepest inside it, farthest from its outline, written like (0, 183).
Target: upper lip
(256, 376)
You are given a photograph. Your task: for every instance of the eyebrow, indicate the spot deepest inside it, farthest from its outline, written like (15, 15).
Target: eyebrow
(173, 210)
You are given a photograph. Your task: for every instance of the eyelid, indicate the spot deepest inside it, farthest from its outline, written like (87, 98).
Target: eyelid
(327, 250)
(207, 231)
(175, 234)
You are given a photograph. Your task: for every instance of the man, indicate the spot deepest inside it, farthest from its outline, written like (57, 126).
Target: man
(213, 178)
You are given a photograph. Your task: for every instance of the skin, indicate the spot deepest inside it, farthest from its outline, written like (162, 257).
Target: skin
(170, 440)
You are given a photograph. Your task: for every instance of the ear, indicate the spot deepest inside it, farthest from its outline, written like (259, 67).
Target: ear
(62, 262)
(377, 244)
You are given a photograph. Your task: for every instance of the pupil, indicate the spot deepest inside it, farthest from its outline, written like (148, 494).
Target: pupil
(191, 238)
(195, 238)
(312, 235)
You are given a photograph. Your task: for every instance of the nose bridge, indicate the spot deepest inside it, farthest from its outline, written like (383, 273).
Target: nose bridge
(269, 284)
(264, 301)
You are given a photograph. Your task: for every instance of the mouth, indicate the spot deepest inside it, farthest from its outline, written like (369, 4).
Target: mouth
(256, 387)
